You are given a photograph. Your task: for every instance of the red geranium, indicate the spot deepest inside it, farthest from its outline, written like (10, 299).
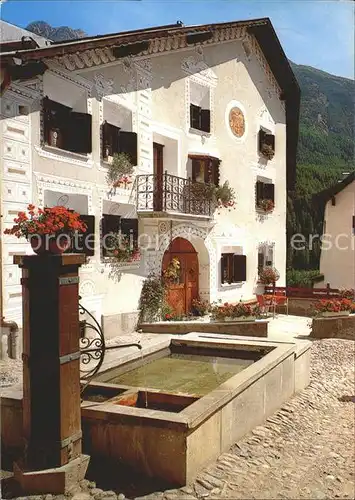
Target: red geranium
(52, 221)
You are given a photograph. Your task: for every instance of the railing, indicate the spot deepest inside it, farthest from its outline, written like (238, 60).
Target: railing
(169, 193)
(93, 346)
(303, 293)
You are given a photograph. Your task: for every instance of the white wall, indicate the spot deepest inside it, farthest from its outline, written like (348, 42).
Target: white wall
(160, 111)
(337, 261)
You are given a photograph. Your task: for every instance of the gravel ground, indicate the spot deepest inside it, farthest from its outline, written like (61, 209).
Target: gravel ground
(304, 451)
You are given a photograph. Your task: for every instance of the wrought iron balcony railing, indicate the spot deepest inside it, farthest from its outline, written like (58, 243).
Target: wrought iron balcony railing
(169, 193)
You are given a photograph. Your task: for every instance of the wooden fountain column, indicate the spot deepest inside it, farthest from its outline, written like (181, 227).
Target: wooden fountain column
(52, 461)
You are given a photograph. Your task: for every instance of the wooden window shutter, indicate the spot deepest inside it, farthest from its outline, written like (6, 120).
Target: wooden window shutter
(260, 261)
(195, 169)
(79, 134)
(205, 120)
(129, 227)
(195, 116)
(215, 172)
(110, 139)
(86, 241)
(239, 268)
(109, 224)
(261, 138)
(259, 191)
(269, 192)
(270, 140)
(224, 268)
(128, 145)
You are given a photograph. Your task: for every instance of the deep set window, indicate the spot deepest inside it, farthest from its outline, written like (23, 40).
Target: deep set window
(266, 143)
(233, 268)
(85, 242)
(205, 169)
(66, 129)
(200, 119)
(265, 257)
(115, 140)
(264, 191)
(118, 224)
(200, 115)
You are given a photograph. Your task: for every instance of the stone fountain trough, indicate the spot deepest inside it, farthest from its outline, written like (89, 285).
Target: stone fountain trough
(200, 395)
(170, 428)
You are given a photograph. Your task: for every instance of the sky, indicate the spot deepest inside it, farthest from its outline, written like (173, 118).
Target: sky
(317, 33)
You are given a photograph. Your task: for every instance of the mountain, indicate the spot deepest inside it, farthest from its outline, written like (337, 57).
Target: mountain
(326, 139)
(59, 34)
(325, 152)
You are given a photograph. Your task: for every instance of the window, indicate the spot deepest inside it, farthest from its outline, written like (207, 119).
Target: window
(266, 144)
(264, 191)
(115, 140)
(265, 257)
(233, 268)
(118, 224)
(85, 242)
(205, 169)
(66, 129)
(200, 115)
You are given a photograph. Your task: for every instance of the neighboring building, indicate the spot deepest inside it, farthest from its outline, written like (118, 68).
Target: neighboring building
(337, 262)
(186, 103)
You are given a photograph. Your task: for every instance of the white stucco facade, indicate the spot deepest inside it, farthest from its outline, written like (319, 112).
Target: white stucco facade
(151, 95)
(337, 261)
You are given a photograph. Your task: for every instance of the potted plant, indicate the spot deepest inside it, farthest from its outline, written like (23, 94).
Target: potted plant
(267, 151)
(120, 171)
(121, 249)
(266, 205)
(225, 196)
(244, 312)
(219, 312)
(200, 307)
(268, 275)
(49, 230)
(172, 272)
(332, 307)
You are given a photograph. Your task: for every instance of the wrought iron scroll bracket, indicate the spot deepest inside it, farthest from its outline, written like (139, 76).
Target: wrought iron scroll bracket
(93, 348)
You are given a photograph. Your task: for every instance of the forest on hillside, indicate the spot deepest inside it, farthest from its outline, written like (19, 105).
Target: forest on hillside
(325, 153)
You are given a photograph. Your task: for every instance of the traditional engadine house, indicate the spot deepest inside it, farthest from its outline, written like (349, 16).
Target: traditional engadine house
(189, 104)
(337, 262)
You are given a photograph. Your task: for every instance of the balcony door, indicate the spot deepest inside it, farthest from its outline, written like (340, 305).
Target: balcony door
(184, 289)
(158, 159)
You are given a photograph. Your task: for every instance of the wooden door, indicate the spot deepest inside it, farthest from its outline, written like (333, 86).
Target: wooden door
(181, 293)
(158, 160)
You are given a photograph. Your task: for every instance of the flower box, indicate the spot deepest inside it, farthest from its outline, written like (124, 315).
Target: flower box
(240, 319)
(331, 314)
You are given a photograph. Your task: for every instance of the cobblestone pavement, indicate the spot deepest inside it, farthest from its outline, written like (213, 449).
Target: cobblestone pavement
(304, 451)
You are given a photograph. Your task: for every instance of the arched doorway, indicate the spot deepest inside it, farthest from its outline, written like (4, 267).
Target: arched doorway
(182, 290)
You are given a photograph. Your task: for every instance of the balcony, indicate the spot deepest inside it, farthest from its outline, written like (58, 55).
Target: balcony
(169, 194)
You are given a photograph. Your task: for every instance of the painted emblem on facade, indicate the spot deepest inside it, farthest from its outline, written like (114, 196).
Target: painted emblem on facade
(237, 122)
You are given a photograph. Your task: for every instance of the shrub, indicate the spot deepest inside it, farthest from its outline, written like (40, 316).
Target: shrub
(151, 299)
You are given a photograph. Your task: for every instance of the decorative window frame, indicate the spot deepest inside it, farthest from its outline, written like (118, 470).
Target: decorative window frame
(58, 154)
(119, 101)
(199, 72)
(68, 186)
(236, 104)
